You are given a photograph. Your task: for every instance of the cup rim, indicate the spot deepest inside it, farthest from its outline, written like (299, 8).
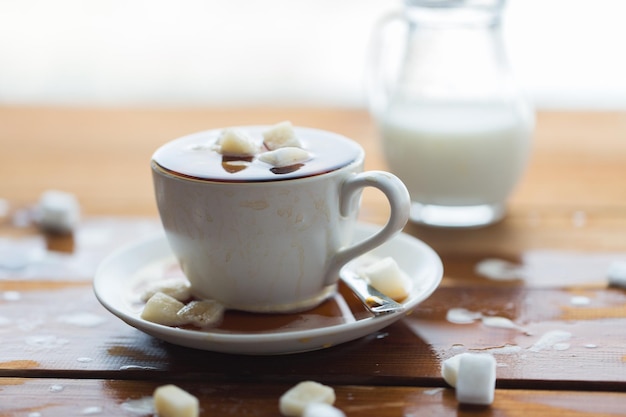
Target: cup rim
(158, 169)
(182, 157)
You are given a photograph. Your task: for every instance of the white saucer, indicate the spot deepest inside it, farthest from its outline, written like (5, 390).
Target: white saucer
(120, 275)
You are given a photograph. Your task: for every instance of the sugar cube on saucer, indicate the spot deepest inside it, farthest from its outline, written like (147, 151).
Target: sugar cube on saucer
(172, 401)
(386, 276)
(162, 309)
(293, 402)
(281, 135)
(176, 288)
(203, 313)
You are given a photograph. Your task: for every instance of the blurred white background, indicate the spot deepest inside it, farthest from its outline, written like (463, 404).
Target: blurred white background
(565, 53)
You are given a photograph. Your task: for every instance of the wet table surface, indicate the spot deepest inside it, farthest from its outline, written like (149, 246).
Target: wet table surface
(532, 290)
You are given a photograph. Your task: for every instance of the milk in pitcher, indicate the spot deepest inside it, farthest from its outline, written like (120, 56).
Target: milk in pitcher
(457, 157)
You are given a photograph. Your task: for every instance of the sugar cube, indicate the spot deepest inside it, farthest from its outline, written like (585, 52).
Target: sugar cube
(293, 402)
(617, 274)
(235, 142)
(172, 401)
(162, 309)
(203, 313)
(386, 276)
(57, 212)
(176, 288)
(476, 379)
(281, 135)
(284, 157)
(322, 410)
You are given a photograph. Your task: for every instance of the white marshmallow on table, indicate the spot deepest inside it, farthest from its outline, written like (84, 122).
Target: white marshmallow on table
(476, 380)
(283, 157)
(235, 142)
(293, 402)
(281, 135)
(386, 276)
(162, 309)
(57, 212)
(473, 375)
(172, 401)
(203, 313)
(450, 369)
(617, 274)
(322, 410)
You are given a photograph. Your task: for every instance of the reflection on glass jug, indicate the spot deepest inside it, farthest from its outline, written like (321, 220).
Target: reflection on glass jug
(453, 124)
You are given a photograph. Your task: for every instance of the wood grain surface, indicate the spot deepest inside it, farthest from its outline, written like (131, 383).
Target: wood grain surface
(543, 270)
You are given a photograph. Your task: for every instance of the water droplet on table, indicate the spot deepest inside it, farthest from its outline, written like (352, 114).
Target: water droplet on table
(56, 388)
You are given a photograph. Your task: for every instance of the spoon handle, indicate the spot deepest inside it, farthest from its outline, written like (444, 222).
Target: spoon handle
(375, 301)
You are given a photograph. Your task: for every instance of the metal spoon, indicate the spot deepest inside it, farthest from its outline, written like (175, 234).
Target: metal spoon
(375, 301)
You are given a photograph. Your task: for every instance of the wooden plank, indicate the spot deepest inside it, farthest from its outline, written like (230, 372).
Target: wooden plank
(62, 397)
(59, 329)
(566, 224)
(111, 148)
(577, 156)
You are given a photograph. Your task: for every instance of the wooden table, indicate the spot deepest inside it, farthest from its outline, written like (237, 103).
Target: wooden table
(62, 353)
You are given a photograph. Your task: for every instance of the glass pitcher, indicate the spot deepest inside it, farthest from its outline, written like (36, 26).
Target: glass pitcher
(453, 125)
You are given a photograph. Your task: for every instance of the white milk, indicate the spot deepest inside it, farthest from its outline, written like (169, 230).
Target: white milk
(457, 155)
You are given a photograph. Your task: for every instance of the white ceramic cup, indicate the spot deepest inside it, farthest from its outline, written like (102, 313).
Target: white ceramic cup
(264, 242)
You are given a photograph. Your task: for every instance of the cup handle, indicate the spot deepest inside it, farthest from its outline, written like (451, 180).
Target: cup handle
(400, 204)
